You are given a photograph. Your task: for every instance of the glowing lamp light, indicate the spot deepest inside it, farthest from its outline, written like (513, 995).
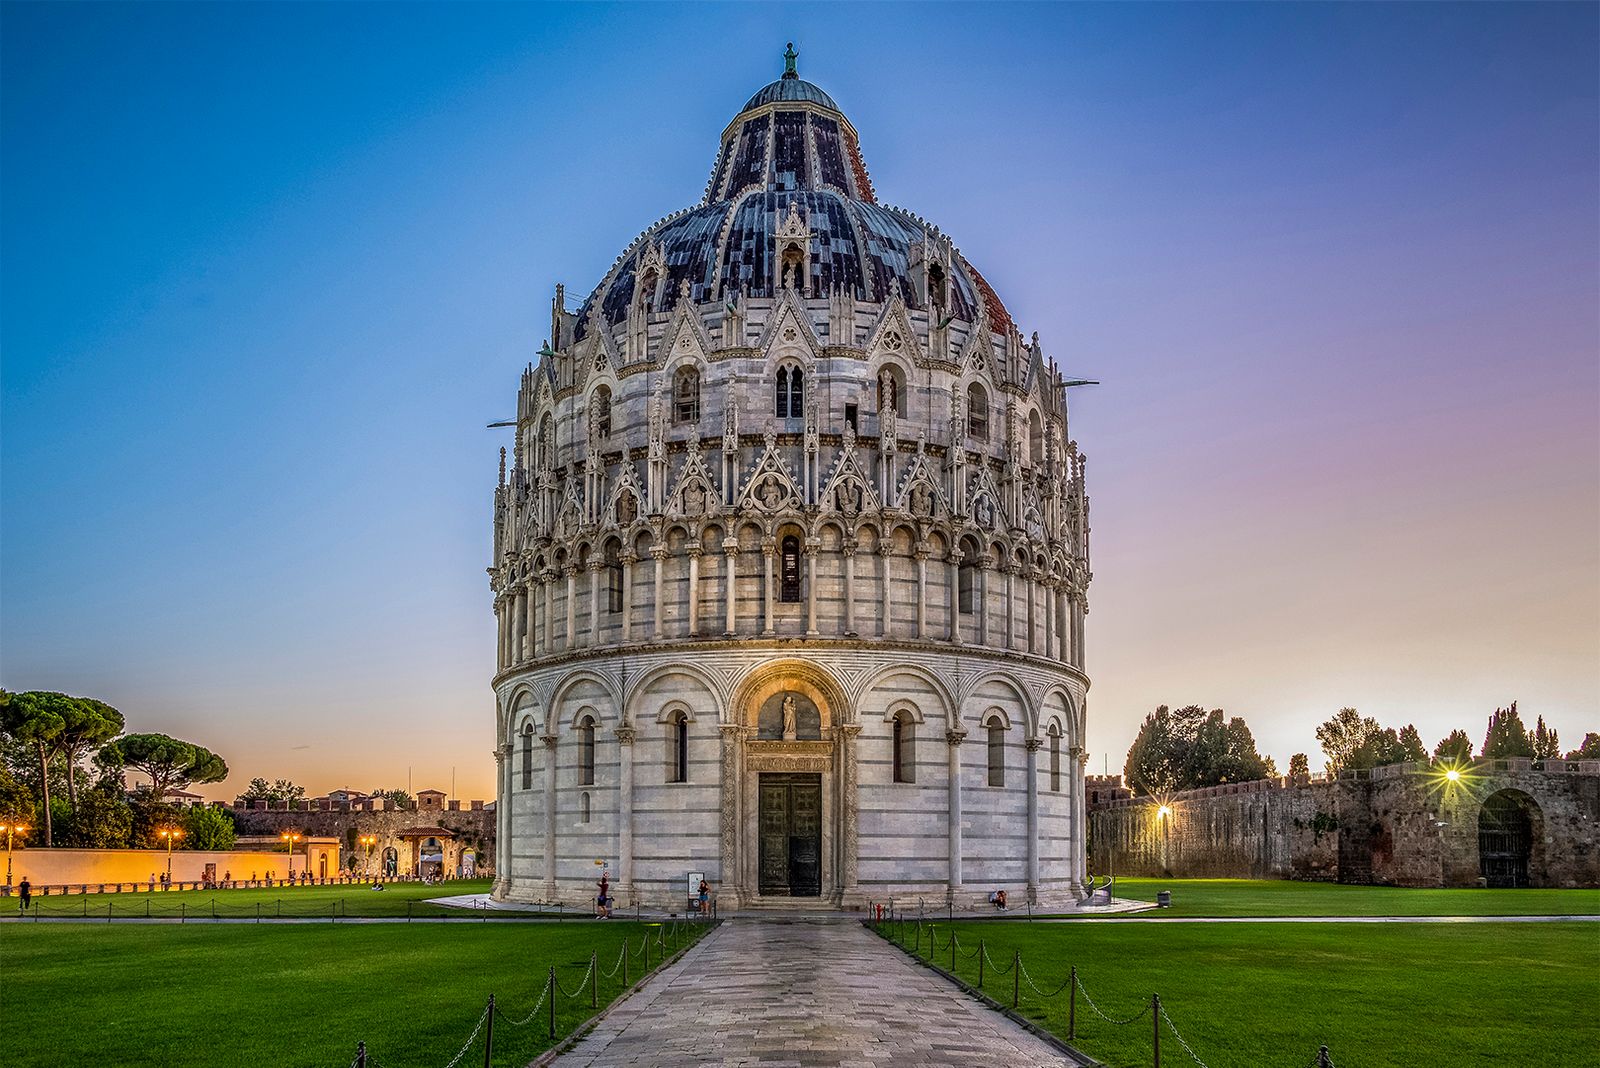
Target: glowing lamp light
(1454, 775)
(1163, 812)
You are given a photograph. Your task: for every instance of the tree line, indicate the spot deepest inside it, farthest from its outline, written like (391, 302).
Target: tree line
(1191, 748)
(63, 763)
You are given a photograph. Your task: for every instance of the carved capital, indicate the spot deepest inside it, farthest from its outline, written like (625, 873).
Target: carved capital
(549, 741)
(848, 730)
(597, 564)
(626, 733)
(1033, 744)
(730, 730)
(955, 737)
(658, 552)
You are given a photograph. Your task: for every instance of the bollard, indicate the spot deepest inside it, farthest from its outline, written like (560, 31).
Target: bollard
(624, 963)
(1155, 1024)
(258, 912)
(1072, 1004)
(180, 911)
(1016, 977)
(952, 951)
(594, 989)
(1323, 1060)
(361, 1055)
(488, 1038)
(108, 912)
(551, 994)
(980, 963)
(146, 908)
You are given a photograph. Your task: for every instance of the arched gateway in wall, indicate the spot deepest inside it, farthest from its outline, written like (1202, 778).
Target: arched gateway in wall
(791, 559)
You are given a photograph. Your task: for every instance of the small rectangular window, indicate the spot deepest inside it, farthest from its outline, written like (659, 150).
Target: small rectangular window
(850, 416)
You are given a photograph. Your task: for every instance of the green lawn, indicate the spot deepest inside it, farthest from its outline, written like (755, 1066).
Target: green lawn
(1280, 897)
(299, 995)
(1270, 994)
(396, 899)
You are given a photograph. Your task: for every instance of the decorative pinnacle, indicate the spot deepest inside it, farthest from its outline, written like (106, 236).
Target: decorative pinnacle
(789, 57)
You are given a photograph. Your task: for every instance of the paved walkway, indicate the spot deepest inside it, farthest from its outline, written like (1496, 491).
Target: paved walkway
(799, 994)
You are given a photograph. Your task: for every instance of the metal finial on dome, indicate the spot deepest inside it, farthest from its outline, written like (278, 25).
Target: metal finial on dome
(789, 56)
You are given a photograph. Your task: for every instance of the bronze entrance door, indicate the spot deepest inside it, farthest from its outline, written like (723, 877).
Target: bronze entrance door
(791, 835)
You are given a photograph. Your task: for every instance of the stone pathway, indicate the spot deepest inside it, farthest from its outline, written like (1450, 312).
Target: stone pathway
(799, 994)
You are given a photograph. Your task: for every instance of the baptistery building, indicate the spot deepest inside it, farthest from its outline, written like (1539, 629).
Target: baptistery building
(790, 559)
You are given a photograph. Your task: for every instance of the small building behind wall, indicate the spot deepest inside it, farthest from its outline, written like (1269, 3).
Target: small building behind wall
(1515, 822)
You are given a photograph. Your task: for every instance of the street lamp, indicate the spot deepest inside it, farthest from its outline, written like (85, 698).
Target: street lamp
(369, 840)
(10, 829)
(290, 838)
(171, 834)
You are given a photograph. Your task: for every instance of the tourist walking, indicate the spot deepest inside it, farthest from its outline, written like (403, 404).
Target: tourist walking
(25, 889)
(602, 904)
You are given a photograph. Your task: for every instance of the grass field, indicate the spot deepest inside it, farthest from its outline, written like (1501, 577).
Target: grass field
(1270, 994)
(1276, 897)
(299, 995)
(396, 899)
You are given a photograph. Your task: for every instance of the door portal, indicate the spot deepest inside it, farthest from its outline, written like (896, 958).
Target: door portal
(790, 822)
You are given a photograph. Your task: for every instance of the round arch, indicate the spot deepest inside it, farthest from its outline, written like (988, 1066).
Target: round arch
(922, 674)
(813, 680)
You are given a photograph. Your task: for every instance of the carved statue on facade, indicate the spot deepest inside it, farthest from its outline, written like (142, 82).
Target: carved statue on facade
(627, 508)
(790, 719)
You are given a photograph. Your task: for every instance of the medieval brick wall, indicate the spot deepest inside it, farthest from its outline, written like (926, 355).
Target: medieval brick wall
(1404, 825)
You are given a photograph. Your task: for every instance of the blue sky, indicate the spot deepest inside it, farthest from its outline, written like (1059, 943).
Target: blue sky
(266, 271)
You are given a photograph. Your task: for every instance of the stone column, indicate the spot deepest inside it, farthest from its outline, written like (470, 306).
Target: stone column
(922, 589)
(502, 819)
(812, 544)
(519, 623)
(849, 880)
(627, 595)
(730, 583)
(955, 596)
(1064, 613)
(955, 738)
(595, 567)
(571, 572)
(981, 579)
(728, 845)
(499, 634)
(1011, 606)
(885, 551)
(1033, 632)
(769, 550)
(658, 553)
(694, 590)
(549, 816)
(1080, 823)
(530, 625)
(547, 583)
(625, 735)
(1047, 596)
(849, 550)
(1032, 745)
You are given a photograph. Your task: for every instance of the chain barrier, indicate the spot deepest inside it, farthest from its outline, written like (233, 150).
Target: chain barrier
(964, 953)
(996, 968)
(1100, 1013)
(612, 974)
(1035, 987)
(472, 1038)
(1174, 1029)
(544, 992)
(582, 983)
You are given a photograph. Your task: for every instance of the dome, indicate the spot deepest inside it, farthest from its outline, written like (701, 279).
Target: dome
(791, 150)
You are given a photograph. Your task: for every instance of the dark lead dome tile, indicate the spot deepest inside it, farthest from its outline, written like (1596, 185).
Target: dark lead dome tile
(786, 90)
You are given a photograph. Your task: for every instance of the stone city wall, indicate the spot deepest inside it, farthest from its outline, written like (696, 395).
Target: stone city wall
(1402, 825)
(472, 823)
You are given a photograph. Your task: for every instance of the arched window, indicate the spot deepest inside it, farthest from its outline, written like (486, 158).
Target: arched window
(997, 752)
(977, 412)
(678, 748)
(613, 579)
(965, 597)
(937, 295)
(602, 411)
(646, 295)
(586, 752)
(892, 389)
(583, 807)
(527, 757)
(543, 457)
(1055, 757)
(789, 588)
(1035, 438)
(790, 395)
(686, 396)
(905, 767)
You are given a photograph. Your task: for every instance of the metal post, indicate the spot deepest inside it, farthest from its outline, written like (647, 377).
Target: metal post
(361, 1055)
(624, 962)
(488, 1039)
(551, 995)
(952, 951)
(108, 912)
(1016, 977)
(594, 989)
(1323, 1060)
(981, 952)
(180, 912)
(1155, 1025)
(1072, 1004)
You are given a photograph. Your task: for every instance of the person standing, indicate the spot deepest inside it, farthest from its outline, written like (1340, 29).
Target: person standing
(602, 904)
(705, 897)
(25, 889)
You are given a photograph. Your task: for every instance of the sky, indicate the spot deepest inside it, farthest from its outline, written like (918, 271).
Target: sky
(267, 270)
